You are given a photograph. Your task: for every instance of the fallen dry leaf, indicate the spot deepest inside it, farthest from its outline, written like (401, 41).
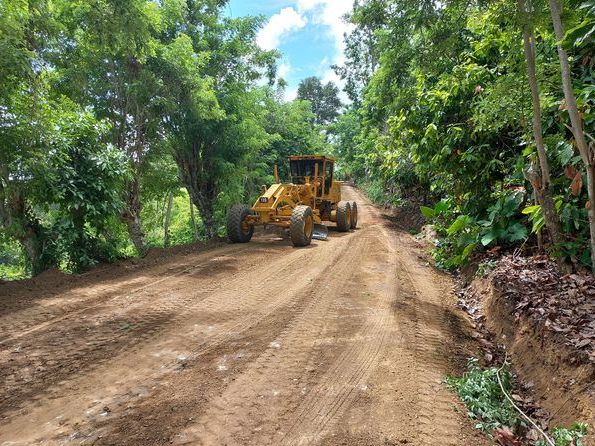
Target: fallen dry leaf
(505, 437)
(577, 184)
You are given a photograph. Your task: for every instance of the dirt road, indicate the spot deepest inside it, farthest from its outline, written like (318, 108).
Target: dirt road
(344, 342)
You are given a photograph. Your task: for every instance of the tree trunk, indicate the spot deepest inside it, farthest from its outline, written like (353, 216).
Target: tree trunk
(170, 200)
(132, 217)
(201, 188)
(207, 213)
(193, 218)
(33, 251)
(15, 221)
(135, 231)
(575, 120)
(543, 183)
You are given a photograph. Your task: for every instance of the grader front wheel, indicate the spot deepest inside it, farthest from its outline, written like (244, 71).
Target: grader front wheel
(343, 216)
(301, 225)
(238, 231)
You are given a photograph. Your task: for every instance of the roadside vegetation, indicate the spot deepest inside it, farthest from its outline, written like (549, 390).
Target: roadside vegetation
(126, 125)
(484, 112)
(485, 106)
(488, 396)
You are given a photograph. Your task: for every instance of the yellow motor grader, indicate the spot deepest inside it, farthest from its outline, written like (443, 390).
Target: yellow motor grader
(311, 197)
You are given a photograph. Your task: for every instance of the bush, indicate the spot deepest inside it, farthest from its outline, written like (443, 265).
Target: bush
(486, 404)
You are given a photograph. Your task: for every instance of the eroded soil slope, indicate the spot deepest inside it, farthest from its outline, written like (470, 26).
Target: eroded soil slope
(343, 342)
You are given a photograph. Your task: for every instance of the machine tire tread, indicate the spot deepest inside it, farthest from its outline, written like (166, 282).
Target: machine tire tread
(297, 225)
(235, 216)
(353, 205)
(343, 216)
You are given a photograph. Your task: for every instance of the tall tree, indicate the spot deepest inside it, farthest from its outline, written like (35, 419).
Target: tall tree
(324, 98)
(104, 64)
(576, 121)
(25, 28)
(541, 182)
(214, 119)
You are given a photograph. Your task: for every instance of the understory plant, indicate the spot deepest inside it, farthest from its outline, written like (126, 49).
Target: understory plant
(483, 397)
(567, 437)
(462, 233)
(492, 412)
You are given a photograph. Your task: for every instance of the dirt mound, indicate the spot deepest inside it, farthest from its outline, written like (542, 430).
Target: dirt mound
(557, 303)
(47, 280)
(155, 254)
(406, 216)
(545, 321)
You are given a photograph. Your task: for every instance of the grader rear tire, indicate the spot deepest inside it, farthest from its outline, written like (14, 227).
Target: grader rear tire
(301, 225)
(343, 216)
(353, 214)
(237, 229)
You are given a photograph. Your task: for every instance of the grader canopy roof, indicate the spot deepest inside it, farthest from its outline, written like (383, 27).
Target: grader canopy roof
(304, 168)
(301, 167)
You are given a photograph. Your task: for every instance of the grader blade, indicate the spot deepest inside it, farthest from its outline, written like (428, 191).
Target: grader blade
(320, 232)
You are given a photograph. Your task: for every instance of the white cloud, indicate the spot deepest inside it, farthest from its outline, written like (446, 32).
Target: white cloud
(284, 69)
(290, 93)
(284, 22)
(330, 14)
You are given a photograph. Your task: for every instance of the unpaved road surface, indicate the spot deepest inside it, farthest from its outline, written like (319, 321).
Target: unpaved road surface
(344, 342)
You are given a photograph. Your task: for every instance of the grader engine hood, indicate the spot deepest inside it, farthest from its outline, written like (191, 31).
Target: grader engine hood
(279, 196)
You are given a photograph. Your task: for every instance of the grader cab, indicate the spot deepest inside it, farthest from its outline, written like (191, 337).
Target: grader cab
(311, 197)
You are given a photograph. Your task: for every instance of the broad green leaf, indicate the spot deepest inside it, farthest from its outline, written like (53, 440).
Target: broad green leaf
(458, 225)
(512, 203)
(529, 210)
(516, 232)
(491, 235)
(468, 250)
(441, 206)
(427, 212)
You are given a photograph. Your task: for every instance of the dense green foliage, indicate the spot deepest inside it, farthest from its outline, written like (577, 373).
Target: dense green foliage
(323, 97)
(567, 436)
(108, 106)
(441, 102)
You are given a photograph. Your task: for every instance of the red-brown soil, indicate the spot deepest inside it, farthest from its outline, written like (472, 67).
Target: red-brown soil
(344, 342)
(560, 376)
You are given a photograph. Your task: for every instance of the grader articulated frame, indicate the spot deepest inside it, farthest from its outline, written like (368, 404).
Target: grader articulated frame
(311, 197)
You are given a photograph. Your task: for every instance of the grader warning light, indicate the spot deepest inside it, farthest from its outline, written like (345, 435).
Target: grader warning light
(311, 197)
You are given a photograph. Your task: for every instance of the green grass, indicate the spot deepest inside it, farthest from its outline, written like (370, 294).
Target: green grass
(377, 193)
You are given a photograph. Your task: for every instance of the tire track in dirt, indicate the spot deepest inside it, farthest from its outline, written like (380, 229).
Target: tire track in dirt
(431, 343)
(422, 410)
(337, 389)
(38, 317)
(215, 307)
(258, 344)
(54, 361)
(280, 371)
(294, 298)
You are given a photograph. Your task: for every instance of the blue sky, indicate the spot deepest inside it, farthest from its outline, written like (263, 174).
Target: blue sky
(307, 32)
